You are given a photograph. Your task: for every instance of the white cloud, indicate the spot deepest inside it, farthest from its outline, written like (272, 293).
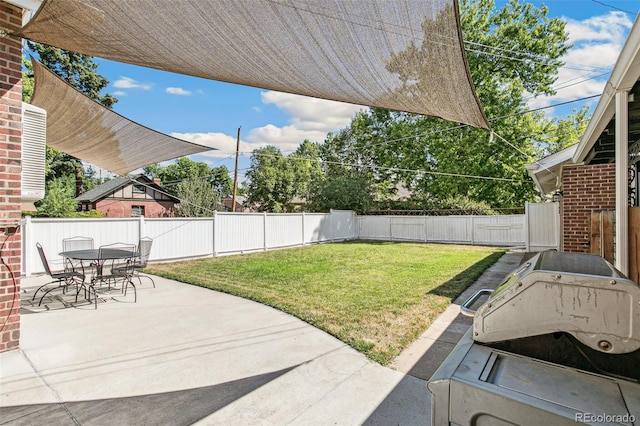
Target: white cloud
(120, 93)
(597, 42)
(312, 113)
(178, 91)
(612, 27)
(225, 145)
(311, 119)
(129, 83)
(286, 138)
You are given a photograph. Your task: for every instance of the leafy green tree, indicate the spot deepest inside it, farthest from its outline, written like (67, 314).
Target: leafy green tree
(273, 180)
(59, 198)
(197, 199)
(562, 133)
(306, 167)
(216, 180)
(270, 182)
(341, 192)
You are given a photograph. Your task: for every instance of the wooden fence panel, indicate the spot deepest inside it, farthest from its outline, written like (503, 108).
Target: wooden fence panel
(634, 244)
(601, 232)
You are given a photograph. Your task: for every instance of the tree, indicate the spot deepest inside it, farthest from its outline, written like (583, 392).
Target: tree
(270, 180)
(306, 167)
(562, 133)
(197, 199)
(273, 180)
(185, 169)
(351, 191)
(58, 200)
(200, 188)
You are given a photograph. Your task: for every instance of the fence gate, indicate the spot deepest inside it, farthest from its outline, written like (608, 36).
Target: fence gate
(601, 233)
(634, 244)
(542, 226)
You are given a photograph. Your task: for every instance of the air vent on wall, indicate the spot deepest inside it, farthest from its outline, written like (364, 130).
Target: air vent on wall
(34, 141)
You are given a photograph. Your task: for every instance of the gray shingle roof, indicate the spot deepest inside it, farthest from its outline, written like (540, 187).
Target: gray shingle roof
(110, 186)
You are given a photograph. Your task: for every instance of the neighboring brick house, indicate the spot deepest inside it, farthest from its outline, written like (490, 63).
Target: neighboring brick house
(129, 197)
(240, 208)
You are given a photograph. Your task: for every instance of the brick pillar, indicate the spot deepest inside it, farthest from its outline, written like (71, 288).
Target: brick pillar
(10, 175)
(585, 189)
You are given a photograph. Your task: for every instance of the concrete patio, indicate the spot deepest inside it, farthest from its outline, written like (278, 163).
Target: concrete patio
(186, 355)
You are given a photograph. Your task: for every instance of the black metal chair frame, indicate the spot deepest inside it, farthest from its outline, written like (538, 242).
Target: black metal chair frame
(144, 249)
(63, 279)
(76, 243)
(121, 271)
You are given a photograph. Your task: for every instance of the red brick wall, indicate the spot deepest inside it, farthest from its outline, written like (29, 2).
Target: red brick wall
(10, 175)
(585, 189)
(123, 208)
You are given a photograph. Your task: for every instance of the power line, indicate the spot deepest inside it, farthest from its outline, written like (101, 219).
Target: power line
(394, 169)
(614, 7)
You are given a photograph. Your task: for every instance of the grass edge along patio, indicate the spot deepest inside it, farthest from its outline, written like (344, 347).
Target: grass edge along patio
(377, 297)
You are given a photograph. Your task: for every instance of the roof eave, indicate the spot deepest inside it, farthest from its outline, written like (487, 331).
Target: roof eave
(623, 77)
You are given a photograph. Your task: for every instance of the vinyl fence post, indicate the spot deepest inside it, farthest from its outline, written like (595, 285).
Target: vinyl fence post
(426, 236)
(141, 225)
(331, 224)
(526, 218)
(264, 231)
(215, 233)
(473, 230)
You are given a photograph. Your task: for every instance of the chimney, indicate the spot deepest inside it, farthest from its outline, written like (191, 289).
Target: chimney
(156, 181)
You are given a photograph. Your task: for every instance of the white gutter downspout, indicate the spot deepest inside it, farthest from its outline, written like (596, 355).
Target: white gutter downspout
(622, 184)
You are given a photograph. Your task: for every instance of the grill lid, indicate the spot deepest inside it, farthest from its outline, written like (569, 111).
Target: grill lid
(580, 294)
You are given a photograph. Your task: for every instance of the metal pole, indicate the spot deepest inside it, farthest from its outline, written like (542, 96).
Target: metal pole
(235, 175)
(622, 181)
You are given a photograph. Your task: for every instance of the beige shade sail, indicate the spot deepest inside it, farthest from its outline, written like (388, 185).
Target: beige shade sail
(404, 55)
(80, 126)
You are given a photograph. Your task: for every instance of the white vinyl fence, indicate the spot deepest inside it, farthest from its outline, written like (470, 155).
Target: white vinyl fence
(187, 238)
(537, 230)
(506, 230)
(235, 233)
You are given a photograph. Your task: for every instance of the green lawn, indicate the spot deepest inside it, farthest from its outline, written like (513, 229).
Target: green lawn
(375, 296)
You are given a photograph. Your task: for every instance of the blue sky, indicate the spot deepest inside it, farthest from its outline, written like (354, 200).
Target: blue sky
(211, 112)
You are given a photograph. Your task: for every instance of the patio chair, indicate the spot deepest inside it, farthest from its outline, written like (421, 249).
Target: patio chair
(62, 279)
(140, 262)
(115, 264)
(75, 243)
(144, 248)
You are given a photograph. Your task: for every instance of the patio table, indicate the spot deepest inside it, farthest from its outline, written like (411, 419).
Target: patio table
(97, 257)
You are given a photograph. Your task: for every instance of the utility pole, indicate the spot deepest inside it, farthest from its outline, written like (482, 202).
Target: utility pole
(235, 175)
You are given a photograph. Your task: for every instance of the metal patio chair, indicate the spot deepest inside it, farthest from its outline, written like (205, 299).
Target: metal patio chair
(115, 264)
(76, 243)
(62, 279)
(144, 248)
(140, 262)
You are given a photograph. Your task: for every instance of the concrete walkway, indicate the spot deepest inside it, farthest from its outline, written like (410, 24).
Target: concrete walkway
(185, 355)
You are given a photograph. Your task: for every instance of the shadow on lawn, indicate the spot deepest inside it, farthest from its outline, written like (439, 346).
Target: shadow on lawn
(454, 287)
